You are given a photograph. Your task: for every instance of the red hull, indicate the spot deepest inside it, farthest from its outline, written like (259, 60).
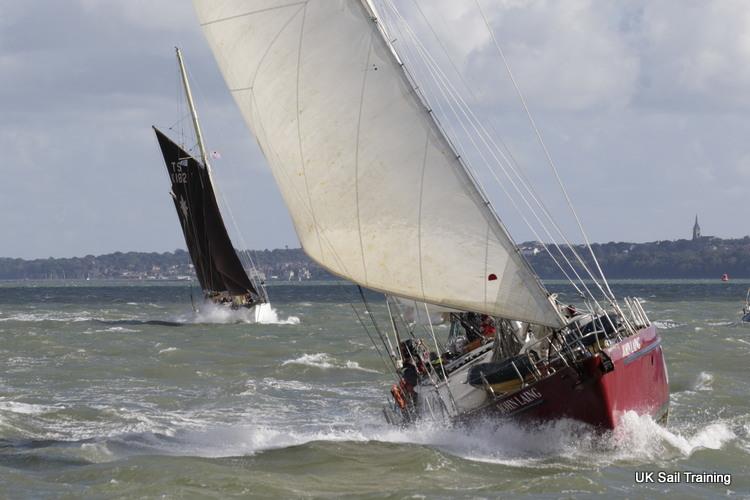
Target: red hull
(639, 383)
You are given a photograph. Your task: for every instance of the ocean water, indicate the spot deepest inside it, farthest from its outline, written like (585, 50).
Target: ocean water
(120, 390)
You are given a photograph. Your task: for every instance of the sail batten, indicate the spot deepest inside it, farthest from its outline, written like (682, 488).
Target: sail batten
(376, 193)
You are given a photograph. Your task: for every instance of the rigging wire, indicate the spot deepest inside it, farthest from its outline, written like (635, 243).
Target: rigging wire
(376, 327)
(444, 86)
(542, 144)
(505, 152)
(501, 185)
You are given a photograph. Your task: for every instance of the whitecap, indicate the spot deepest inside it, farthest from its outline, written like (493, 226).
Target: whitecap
(117, 329)
(704, 382)
(24, 408)
(293, 385)
(263, 314)
(665, 324)
(325, 361)
(353, 365)
(319, 360)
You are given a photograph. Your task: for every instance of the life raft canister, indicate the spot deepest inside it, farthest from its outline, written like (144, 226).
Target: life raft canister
(398, 396)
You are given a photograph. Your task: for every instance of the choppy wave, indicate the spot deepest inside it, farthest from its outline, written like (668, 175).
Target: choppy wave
(704, 382)
(33, 317)
(720, 323)
(325, 361)
(666, 324)
(24, 408)
(562, 443)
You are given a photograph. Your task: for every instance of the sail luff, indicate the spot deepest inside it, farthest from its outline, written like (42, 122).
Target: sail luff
(376, 193)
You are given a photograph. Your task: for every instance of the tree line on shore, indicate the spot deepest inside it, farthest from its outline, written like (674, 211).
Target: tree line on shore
(707, 257)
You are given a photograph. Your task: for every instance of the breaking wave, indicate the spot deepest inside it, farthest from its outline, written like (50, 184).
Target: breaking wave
(325, 361)
(562, 443)
(263, 314)
(704, 382)
(666, 324)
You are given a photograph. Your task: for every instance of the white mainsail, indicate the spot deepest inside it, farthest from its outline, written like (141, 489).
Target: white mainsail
(376, 193)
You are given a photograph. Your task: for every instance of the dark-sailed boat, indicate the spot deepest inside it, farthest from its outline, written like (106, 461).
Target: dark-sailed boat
(746, 308)
(218, 267)
(379, 195)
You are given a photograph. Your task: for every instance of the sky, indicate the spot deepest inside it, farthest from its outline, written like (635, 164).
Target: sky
(643, 106)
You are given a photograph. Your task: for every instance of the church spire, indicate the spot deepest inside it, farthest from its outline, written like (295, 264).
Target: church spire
(696, 229)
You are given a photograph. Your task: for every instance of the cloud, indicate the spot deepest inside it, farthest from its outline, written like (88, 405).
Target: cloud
(637, 101)
(642, 103)
(697, 54)
(83, 82)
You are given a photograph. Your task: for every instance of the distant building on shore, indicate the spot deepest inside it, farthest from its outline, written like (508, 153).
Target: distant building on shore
(696, 229)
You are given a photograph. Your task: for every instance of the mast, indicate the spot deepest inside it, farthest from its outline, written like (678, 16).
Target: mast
(193, 112)
(259, 287)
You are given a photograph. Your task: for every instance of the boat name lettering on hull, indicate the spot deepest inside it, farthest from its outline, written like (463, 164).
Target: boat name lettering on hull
(519, 401)
(630, 347)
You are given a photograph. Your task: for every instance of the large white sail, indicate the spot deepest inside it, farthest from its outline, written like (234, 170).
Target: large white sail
(375, 191)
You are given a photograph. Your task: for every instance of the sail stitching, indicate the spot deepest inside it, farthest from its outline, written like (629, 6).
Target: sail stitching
(268, 50)
(344, 270)
(356, 155)
(299, 130)
(486, 264)
(246, 14)
(419, 217)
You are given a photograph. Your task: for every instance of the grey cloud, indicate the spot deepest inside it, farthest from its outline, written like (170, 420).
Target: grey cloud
(642, 104)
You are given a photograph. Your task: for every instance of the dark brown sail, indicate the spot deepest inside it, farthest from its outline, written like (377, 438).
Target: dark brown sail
(217, 265)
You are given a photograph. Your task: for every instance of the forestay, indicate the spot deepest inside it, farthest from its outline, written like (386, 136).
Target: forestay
(375, 191)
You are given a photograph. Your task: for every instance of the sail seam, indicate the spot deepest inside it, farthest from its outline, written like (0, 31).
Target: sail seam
(343, 271)
(273, 42)
(485, 278)
(246, 14)
(356, 155)
(419, 217)
(299, 131)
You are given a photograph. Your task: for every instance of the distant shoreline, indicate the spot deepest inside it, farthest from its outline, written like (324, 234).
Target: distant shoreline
(704, 258)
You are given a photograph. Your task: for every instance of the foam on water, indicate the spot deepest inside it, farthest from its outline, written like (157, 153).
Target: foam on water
(560, 443)
(666, 324)
(35, 317)
(325, 361)
(704, 382)
(23, 408)
(263, 314)
(267, 315)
